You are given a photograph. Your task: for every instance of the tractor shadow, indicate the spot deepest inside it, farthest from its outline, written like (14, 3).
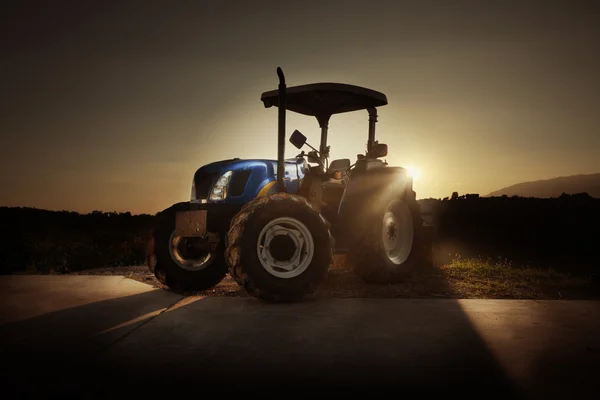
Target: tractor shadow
(343, 282)
(143, 344)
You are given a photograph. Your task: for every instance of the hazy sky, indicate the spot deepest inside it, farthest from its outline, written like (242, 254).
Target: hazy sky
(114, 105)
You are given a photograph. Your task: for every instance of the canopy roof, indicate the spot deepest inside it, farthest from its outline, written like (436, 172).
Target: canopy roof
(325, 99)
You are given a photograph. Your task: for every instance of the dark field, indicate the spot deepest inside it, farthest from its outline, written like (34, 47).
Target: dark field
(483, 248)
(40, 241)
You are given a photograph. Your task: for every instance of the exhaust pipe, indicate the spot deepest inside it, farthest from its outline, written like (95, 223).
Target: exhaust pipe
(372, 121)
(281, 132)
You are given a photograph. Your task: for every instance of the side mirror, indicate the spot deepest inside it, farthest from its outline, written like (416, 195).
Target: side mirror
(379, 150)
(297, 139)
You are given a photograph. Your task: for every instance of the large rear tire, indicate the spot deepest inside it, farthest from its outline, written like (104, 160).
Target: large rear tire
(176, 264)
(279, 248)
(391, 246)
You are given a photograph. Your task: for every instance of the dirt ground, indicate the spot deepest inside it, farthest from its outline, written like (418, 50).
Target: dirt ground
(468, 278)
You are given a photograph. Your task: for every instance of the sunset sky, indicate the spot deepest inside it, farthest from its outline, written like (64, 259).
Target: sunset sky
(113, 107)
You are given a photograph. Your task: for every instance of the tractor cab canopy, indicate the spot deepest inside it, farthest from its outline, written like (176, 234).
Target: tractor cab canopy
(322, 100)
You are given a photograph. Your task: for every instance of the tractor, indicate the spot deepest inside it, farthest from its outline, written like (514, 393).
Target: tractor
(275, 225)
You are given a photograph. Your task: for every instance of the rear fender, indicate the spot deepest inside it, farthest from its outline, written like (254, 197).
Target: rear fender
(366, 194)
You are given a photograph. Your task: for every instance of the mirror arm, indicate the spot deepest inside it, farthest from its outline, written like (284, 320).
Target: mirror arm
(312, 147)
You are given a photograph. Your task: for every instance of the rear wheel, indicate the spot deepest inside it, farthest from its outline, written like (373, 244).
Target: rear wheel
(279, 248)
(181, 263)
(390, 246)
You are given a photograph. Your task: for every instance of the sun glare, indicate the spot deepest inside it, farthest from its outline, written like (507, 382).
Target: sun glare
(413, 172)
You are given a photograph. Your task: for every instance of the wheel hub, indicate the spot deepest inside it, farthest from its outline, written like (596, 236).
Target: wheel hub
(285, 247)
(187, 254)
(397, 233)
(391, 230)
(282, 247)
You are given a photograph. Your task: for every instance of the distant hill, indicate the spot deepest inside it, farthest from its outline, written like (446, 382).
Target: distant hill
(554, 187)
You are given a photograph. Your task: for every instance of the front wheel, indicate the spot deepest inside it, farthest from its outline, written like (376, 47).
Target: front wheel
(391, 246)
(179, 262)
(279, 248)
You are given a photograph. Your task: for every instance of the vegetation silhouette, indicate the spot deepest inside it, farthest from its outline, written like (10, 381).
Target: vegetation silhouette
(42, 241)
(559, 233)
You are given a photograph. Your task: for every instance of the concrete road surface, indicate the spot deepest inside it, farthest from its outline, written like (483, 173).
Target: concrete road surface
(113, 337)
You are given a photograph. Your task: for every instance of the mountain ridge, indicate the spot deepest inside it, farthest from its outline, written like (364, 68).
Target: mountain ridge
(553, 187)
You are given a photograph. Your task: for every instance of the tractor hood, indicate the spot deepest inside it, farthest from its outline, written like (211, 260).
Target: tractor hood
(235, 164)
(248, 177)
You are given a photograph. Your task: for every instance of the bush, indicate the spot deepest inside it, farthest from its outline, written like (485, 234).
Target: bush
(554, 232)
(34, 240)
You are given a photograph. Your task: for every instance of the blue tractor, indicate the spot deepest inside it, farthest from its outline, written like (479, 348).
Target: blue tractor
(275, 225)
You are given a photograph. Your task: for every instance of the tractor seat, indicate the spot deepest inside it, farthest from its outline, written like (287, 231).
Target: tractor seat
(333, 189)
(339, 165)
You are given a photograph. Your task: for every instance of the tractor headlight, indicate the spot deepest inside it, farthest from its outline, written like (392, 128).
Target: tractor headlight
(219, 189)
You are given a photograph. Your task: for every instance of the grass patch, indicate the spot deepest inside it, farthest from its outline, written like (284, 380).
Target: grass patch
(466, 278)
(499, 278)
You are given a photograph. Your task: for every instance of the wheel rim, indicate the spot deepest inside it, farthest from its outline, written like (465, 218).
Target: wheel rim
(397, 233)
(186, 258)
(285, 247)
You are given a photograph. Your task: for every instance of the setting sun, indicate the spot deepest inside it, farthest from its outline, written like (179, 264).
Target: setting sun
(413, 172)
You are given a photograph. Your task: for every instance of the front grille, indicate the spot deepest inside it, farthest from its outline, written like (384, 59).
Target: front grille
(204, 182)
